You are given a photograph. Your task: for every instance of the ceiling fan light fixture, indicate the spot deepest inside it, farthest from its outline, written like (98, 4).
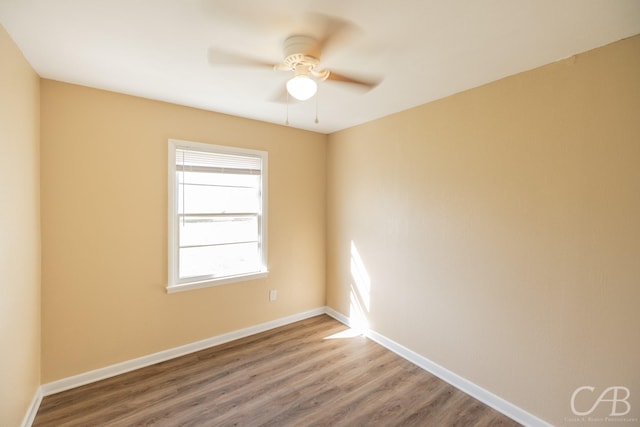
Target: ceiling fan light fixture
(302, 87)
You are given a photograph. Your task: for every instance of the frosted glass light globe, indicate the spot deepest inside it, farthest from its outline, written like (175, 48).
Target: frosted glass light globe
(302, 87)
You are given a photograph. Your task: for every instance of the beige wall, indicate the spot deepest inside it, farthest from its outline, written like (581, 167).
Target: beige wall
(500, 230)
(104, 228)
(19, 233)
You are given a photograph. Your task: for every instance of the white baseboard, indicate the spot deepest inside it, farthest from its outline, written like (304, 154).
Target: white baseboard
(488, 398)
(141, 362)
(33, 409)
(499, 404)
(338, 316)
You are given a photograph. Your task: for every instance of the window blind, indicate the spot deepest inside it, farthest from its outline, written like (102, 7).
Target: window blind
(204, 161)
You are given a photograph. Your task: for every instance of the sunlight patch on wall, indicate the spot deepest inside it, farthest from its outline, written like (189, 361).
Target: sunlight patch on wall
(360, 277)
(360, 294)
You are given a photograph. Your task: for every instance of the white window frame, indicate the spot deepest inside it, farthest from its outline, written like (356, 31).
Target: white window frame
(176, 285)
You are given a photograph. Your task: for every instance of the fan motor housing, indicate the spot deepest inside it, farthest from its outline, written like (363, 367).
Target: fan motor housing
(302, 55)
(302, 47)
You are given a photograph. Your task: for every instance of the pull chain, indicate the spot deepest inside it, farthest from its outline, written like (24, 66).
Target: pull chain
(286, 122)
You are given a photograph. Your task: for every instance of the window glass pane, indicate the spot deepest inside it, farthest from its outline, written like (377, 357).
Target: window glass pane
(210, 230)
(228, 179)
(211, 199)
(219, 261)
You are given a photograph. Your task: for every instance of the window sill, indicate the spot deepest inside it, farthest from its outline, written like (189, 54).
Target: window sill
(215, 282)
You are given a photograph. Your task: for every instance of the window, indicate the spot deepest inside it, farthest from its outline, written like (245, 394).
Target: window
(217, 215)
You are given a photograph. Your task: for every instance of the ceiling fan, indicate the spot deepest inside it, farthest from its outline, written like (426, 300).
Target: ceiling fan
(302, 60)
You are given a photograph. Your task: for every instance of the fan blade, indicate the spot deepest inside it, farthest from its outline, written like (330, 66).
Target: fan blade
(333, 30)
(219, 57)
(364, 84)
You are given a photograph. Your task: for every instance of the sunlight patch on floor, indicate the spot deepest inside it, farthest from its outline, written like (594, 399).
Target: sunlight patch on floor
(347, 333)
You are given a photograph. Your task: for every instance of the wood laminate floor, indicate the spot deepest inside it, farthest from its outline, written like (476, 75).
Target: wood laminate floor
(295, 375)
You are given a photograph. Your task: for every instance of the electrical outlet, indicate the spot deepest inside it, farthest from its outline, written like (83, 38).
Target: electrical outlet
(273, 295)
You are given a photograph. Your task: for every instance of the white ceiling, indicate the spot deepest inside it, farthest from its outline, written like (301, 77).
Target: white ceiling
(423, 49)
